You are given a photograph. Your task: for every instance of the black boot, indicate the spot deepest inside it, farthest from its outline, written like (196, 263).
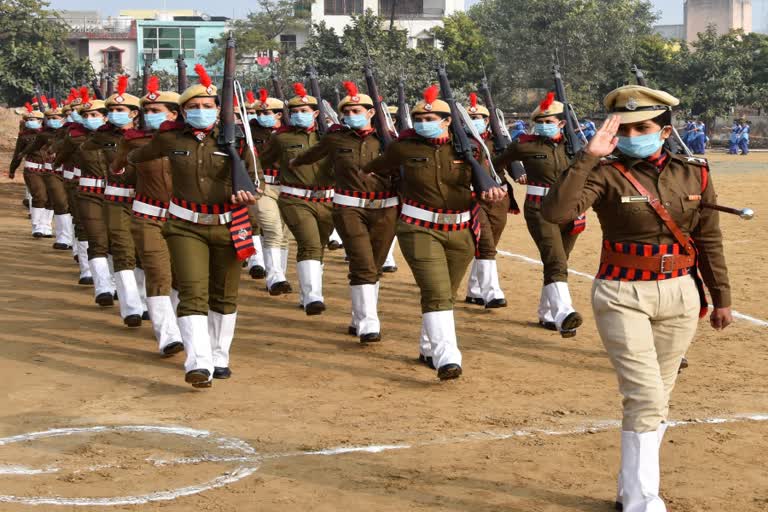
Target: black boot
(105, 299)
(314, 308)
(221, 372)
(199, 378)
(449, 371)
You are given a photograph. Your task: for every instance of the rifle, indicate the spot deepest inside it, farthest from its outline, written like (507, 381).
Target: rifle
(110, 85)
(42, 105)
(404, 121)
(227, 141)
(380, 118)
(278, 88)
(481, 180)
(181, 67)
(97, 88)
(314, 86)
(676, 145)
(573, 143)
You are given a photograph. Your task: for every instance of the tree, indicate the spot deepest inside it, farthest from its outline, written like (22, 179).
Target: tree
(465, 48)
(259, 31)
(31, 52)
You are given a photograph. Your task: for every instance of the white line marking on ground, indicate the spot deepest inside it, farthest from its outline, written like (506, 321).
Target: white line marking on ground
(254, 460)
(736, 314)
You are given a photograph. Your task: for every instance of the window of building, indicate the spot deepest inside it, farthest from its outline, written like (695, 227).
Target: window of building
(425, 42)
(343, 7)
(113, 60)
(288, 42)
(169, 42)
(403, 8)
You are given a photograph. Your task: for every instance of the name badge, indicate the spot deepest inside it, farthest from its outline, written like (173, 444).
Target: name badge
(219, 153)
(417, 159)
(634, 199)
(180, 152)
(295, 146)
(537, 157)
(459, 162)
(110, 145)
(344, 150)
(694, 197)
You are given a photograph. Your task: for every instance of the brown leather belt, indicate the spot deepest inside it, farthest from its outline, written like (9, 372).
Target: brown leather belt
(660, 263)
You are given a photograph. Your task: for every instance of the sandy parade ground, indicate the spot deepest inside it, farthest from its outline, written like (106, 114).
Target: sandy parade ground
(313, 421)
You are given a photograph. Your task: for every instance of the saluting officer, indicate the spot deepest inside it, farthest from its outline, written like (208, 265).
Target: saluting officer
(123, 115)
(645, 296)
(152, 180)
(544, 157)
(435, 225)
(34, 166)
(208, 231)
(306, 195)
(268, 120)
(92, 158)
(365, 205)
(66, 150)
(483, 286)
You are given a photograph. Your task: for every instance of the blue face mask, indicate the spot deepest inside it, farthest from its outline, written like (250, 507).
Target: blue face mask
(266, 121)
(155, 120)
(70, 119)
(252, 117)
(480, 125)
(550, 130)
(93, 123)
(201, 118)
(119, 119)
(356, 122)
(76, 117)
(54, 124)
(302, 119)
(641, 146)
(33, 125)
(428, 129)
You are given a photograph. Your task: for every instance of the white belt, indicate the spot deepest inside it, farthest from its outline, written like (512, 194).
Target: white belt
(48, 167)
(209, 219)
(111, 190)
(359, 202)
(149, 209)
(77, 172)
(69, 175)
(309, 194)
(32, 165)
(435, 218)
(91, 182)
(270, 179)
(537, 191)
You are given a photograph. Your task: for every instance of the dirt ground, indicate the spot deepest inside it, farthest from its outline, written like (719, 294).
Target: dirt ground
(508, 436)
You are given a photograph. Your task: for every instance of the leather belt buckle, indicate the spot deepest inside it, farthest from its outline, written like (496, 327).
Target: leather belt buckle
(445, 218)
(373, 203)
(208, 219)
(667, 263)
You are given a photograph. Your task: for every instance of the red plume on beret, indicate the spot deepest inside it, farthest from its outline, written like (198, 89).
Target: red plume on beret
(430, 94)
(351, 88)
(205, 80)
(84, 94)
(263, 95)
(54, 104)
(73, 92)
(122, 84)
(547, 102)
(473, 99)
(299, 89)
(28, 106)
(153, 85)
(250, 97)
(43, 99)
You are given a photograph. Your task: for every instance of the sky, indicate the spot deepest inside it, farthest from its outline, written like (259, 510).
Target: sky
(672, 10)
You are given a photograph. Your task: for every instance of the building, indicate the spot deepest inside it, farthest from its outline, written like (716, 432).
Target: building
(109, 43)
(670, 31)
(416, 17)
(726, 15)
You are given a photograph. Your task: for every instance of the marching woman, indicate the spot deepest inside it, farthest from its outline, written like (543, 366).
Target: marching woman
(207, 231)
(152, 181)
(33, 171)
(647, 296)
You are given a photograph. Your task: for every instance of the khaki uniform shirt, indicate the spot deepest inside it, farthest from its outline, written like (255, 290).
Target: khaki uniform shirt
(681, 187)
(285, 145)
(96, 154)
(544, 159)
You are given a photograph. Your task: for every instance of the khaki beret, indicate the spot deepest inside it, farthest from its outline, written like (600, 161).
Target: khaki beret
(635, 103)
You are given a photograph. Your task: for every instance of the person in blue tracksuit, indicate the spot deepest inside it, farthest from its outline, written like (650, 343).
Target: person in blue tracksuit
(589, 128)
(733, 140)
(518, 129)
(699, 139)
(688, 133)
(744, 137)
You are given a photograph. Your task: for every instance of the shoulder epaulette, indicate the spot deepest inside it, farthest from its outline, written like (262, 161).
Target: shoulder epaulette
(695, 160)
(527, 137)
(608, 160)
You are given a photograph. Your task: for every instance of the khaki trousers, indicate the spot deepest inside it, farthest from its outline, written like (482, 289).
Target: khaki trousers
(553, 241)
(36, 184)
(310, 223)
(646, 327)
(493, 220)
(153, 252)
(93, 217)
(121, 244)
(367, 234)
(57, 193)
(274, 232)
(438, 261)
(205, 266)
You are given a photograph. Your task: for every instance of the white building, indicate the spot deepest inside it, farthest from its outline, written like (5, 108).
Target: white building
(417, 17)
